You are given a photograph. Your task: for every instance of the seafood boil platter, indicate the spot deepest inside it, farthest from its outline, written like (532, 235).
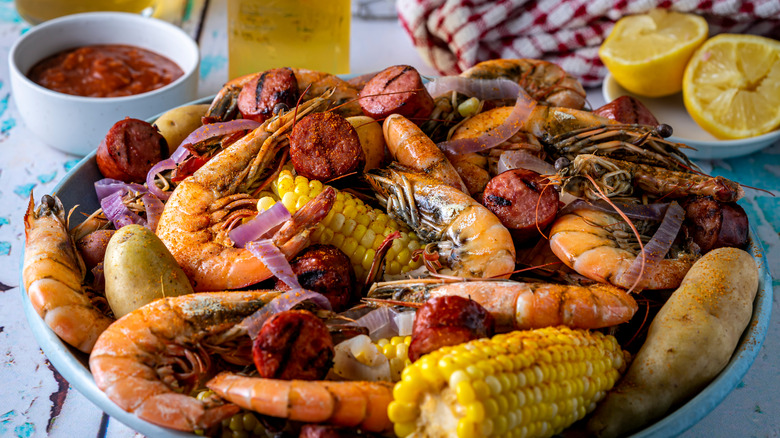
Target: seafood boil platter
(248, 158)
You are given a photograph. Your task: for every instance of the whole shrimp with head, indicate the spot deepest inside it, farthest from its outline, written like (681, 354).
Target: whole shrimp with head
(197, 218)
(469, 239)
(53, 275)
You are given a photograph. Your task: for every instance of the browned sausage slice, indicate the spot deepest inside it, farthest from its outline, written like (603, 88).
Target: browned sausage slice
(448, 320)
(627, 109)
(327, 270)
(258, 97)
(130, 149)
(324, 146)
(384, 94)
(293, 344)
(522, 200)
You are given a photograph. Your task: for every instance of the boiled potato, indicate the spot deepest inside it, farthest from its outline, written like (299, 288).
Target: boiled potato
(176, 124)
(139, 269)
(371, 139)
(689, 342)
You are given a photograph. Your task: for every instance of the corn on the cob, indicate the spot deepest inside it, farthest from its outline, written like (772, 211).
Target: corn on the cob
(531, 383)
(396, 350)
(352, 226)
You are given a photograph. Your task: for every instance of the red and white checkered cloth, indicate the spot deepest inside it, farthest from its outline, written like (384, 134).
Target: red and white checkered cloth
(453, 35)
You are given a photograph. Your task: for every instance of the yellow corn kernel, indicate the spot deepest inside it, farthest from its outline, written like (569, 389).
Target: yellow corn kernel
(510, 385)
(265, 203)
(289, 199)
(368, 258)
(302, 200)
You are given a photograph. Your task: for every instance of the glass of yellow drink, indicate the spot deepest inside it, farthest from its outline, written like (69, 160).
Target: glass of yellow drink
(265, 34)
(38, 11)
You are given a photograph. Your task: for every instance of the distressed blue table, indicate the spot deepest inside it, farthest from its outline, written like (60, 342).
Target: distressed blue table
(36, 401)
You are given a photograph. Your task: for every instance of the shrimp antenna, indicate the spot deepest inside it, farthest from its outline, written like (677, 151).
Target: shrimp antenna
(391, 302)
(633, 228)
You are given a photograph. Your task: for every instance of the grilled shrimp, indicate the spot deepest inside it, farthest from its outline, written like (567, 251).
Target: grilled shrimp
(198, 215)
(470, 239)
(524, 306)
(620, 178)
(351, 403)
(544, 81)
(595, 244)
(409, 146)
(148, 361)
(53, 275)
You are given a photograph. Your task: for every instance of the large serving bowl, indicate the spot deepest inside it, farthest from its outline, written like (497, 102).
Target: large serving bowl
(77, 188)
(77, 124)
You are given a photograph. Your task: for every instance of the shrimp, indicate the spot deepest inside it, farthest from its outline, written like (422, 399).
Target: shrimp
(594, 244)
(474, 168)
(53, 276)
(350, 403)
(621, 178)
(469, 238)
(194, 223)
(409, 146)
(224, 106)
(524, 306)
(148, 361)
(544, 81)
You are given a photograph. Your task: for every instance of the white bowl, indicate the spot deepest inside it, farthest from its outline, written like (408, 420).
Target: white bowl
(77, 124)
(671, 110)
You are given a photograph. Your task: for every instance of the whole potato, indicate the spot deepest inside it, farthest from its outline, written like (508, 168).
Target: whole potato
(689, 342)
(371, 139)
(176, 124)
(139, 269)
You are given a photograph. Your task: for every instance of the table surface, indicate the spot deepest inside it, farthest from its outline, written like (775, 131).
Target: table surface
(36, 401)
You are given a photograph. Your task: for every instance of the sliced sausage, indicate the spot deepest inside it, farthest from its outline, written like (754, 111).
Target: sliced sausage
(384, 94)
(324, 146)
(714, 224)
(448, 320)
(523, 201)
(327, 270)
(130, 149)
(261, 95)
(293, 344)
(627, 109)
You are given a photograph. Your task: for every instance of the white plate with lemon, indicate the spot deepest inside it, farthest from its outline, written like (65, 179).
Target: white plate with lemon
(721, 95)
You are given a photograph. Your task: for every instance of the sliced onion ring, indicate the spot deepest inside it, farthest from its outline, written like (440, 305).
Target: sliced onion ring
(658, 246)
(524, 106)
(162, 166)
(219, 129)
(483, 89)
(117, 212)
(107, 186)
(275, 261)
(285, 301)
(523, 160)
(258, 226)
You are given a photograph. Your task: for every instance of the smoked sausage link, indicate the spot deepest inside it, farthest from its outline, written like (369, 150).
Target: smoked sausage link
(293, 344)
(258, 97)
(523, 202)
(324, 146)
(627, 109)
(713, 224)
(448, 320)
(384, 94)
(130, 149)
(327, 270)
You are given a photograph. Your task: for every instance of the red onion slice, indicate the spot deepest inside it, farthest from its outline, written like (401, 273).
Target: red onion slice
(484, 89)
(212, 130)
(166, 164)
(285, 301)
(260, 225)
(524, 106)
(523, 160)
(275, 261)
(658, 246)
(107, 186)
(117, 212)
(154, 208)
(377, 319)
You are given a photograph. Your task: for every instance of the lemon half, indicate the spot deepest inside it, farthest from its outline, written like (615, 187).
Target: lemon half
(647, 53)
(731, 86)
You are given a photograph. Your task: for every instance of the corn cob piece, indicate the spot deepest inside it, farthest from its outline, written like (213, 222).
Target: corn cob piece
(352, 226)
(532, 383)
(396, 350)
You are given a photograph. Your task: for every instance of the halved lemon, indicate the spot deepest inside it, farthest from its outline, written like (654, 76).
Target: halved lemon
(647, 53)
(731, 86)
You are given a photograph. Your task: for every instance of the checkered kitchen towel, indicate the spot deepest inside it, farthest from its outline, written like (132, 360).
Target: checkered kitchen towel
(453, 35)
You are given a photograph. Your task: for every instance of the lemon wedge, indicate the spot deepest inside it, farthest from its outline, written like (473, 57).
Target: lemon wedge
(647, 53)
(731, 86)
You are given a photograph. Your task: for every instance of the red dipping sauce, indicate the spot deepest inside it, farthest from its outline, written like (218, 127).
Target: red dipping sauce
(109, 70)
